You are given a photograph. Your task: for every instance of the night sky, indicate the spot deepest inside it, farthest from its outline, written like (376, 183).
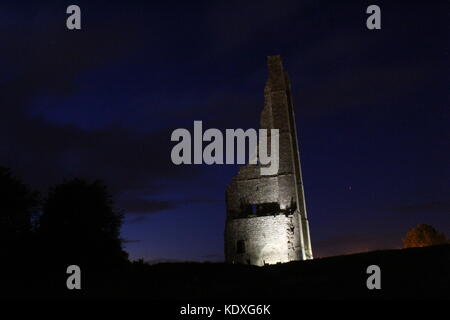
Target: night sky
(372, 111)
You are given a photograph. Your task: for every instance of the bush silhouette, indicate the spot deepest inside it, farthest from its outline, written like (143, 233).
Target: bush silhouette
(79, 224)
(17, 207)
(422, 236)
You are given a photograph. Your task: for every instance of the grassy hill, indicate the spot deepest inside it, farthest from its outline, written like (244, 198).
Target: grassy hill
(418, 273)
(408, 273)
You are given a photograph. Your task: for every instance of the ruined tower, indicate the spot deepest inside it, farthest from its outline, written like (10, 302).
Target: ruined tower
(266, 214)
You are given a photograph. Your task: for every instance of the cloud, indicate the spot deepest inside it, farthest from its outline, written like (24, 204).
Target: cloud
(139, 206)
(49, 60)
(45, 60)
(46, 57)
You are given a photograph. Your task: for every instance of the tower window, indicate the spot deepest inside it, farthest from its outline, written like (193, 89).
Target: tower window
(240, 246)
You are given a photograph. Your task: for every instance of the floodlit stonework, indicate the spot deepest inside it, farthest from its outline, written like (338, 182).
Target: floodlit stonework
(266, 215)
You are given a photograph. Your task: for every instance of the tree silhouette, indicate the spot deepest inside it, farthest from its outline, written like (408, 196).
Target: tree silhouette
(17, 206)
(79, 224)
(422, 236)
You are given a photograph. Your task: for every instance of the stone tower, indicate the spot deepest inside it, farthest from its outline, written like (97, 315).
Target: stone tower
(266, 214)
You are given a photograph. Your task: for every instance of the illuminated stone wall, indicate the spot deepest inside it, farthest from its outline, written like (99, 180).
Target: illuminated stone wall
(267, 240)
(270, 235)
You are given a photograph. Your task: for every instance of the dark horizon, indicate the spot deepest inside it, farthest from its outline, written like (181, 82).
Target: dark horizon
(372, 112)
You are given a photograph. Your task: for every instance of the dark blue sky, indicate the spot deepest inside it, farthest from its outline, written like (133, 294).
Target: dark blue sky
(372, 111)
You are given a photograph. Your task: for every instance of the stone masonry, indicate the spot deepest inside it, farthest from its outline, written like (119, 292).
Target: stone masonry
(266, 215)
